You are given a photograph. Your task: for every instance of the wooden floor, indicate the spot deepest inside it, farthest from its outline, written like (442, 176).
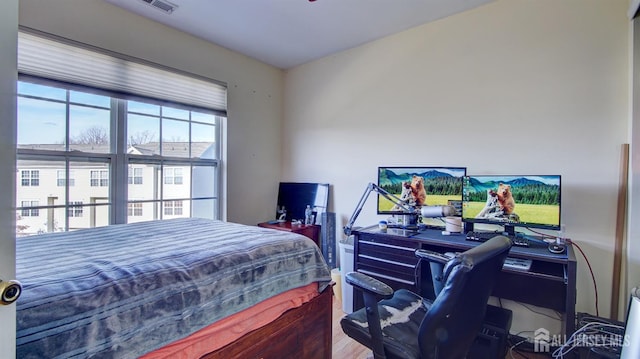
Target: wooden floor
(343, 346)
(347, 348)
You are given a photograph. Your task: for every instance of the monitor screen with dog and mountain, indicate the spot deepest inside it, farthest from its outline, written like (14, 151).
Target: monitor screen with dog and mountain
(512, 200)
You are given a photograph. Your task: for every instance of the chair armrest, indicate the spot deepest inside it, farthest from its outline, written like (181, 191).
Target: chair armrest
(371, 289)
(432, 256)
(368, 284)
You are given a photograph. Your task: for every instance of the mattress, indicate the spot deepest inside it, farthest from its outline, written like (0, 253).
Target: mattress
(227, 330)
(125, 290)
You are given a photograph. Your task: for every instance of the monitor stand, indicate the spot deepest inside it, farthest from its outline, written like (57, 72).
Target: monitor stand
(510, 230)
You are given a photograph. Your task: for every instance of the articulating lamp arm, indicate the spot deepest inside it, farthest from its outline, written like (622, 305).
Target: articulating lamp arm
(373, 187)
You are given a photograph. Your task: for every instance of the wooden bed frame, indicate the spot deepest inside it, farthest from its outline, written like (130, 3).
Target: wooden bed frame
(302, 333)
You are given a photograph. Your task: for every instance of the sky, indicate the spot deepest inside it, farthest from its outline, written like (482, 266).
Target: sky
(555, 180)
(43, 120)
(456, 172)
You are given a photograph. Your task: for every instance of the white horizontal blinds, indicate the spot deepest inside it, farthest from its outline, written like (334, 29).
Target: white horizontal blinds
(47, 58)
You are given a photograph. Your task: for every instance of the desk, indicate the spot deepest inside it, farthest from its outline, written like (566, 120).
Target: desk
(311, 231)
(389, 256)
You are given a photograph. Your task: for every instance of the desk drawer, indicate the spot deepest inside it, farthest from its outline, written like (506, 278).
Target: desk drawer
(389, 260)
(399, 272)
(388, 252)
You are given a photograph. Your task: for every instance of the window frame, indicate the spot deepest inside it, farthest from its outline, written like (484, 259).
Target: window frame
(100, 180)
(132, 177)
(118, 160)
(172, 178)
(31, 180)
(29, 208)
(75, 209)
(61, 176)
(173, 206)
(135, 209)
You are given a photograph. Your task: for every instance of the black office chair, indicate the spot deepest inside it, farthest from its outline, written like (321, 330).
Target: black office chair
(409, 326)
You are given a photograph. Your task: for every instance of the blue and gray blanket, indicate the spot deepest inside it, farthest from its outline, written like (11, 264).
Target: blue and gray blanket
(124, 290)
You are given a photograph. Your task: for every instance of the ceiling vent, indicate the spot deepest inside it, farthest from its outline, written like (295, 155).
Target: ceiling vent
(162, 5)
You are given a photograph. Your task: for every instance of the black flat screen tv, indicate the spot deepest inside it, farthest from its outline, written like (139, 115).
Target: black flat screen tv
(295, 196)
(512, 200)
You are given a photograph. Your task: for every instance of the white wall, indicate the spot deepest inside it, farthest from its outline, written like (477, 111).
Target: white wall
(254, 97)
(512, 87)
(8, 77)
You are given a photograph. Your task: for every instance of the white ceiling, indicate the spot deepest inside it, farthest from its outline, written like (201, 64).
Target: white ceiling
(287, 33)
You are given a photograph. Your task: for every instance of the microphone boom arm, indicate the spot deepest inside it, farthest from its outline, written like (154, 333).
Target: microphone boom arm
(391, 197)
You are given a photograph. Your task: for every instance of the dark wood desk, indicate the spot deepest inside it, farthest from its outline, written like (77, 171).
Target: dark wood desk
(311, 231)
(389, 256)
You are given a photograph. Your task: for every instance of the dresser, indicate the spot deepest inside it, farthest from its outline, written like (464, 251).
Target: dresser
(311, 231)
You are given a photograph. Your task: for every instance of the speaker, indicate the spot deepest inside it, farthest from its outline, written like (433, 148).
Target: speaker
(328, 238)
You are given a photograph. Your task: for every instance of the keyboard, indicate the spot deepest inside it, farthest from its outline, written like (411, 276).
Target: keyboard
(485, 236)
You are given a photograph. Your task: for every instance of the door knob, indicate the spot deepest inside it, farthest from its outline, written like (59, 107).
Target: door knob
(9, 291)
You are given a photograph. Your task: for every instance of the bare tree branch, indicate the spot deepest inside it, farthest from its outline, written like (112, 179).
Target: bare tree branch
(142, 137)
(92, 136)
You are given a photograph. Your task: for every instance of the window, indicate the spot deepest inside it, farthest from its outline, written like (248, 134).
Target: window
(100, 178)
(177, 149)
(179, 169)
(29, 212)
(135, 175)
(30, 178)
(173, 208)
(87, 132)
(173, 176)
(62, 178)
(134, 209)
(75, 209)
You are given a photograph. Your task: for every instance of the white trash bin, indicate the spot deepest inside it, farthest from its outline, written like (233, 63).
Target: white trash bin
(346, 266)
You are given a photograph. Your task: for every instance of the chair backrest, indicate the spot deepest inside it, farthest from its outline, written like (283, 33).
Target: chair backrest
(455, 317)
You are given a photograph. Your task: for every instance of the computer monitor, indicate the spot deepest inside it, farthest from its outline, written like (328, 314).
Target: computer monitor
(426, 185)
(295, 196)
(512, 200)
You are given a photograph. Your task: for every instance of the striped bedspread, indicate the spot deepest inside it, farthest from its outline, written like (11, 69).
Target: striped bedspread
(124, 290)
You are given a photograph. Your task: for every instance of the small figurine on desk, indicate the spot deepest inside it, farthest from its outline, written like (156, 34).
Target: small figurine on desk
(282, 214)
(308, 216)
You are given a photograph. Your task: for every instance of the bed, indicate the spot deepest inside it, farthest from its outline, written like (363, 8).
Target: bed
(180, 288)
